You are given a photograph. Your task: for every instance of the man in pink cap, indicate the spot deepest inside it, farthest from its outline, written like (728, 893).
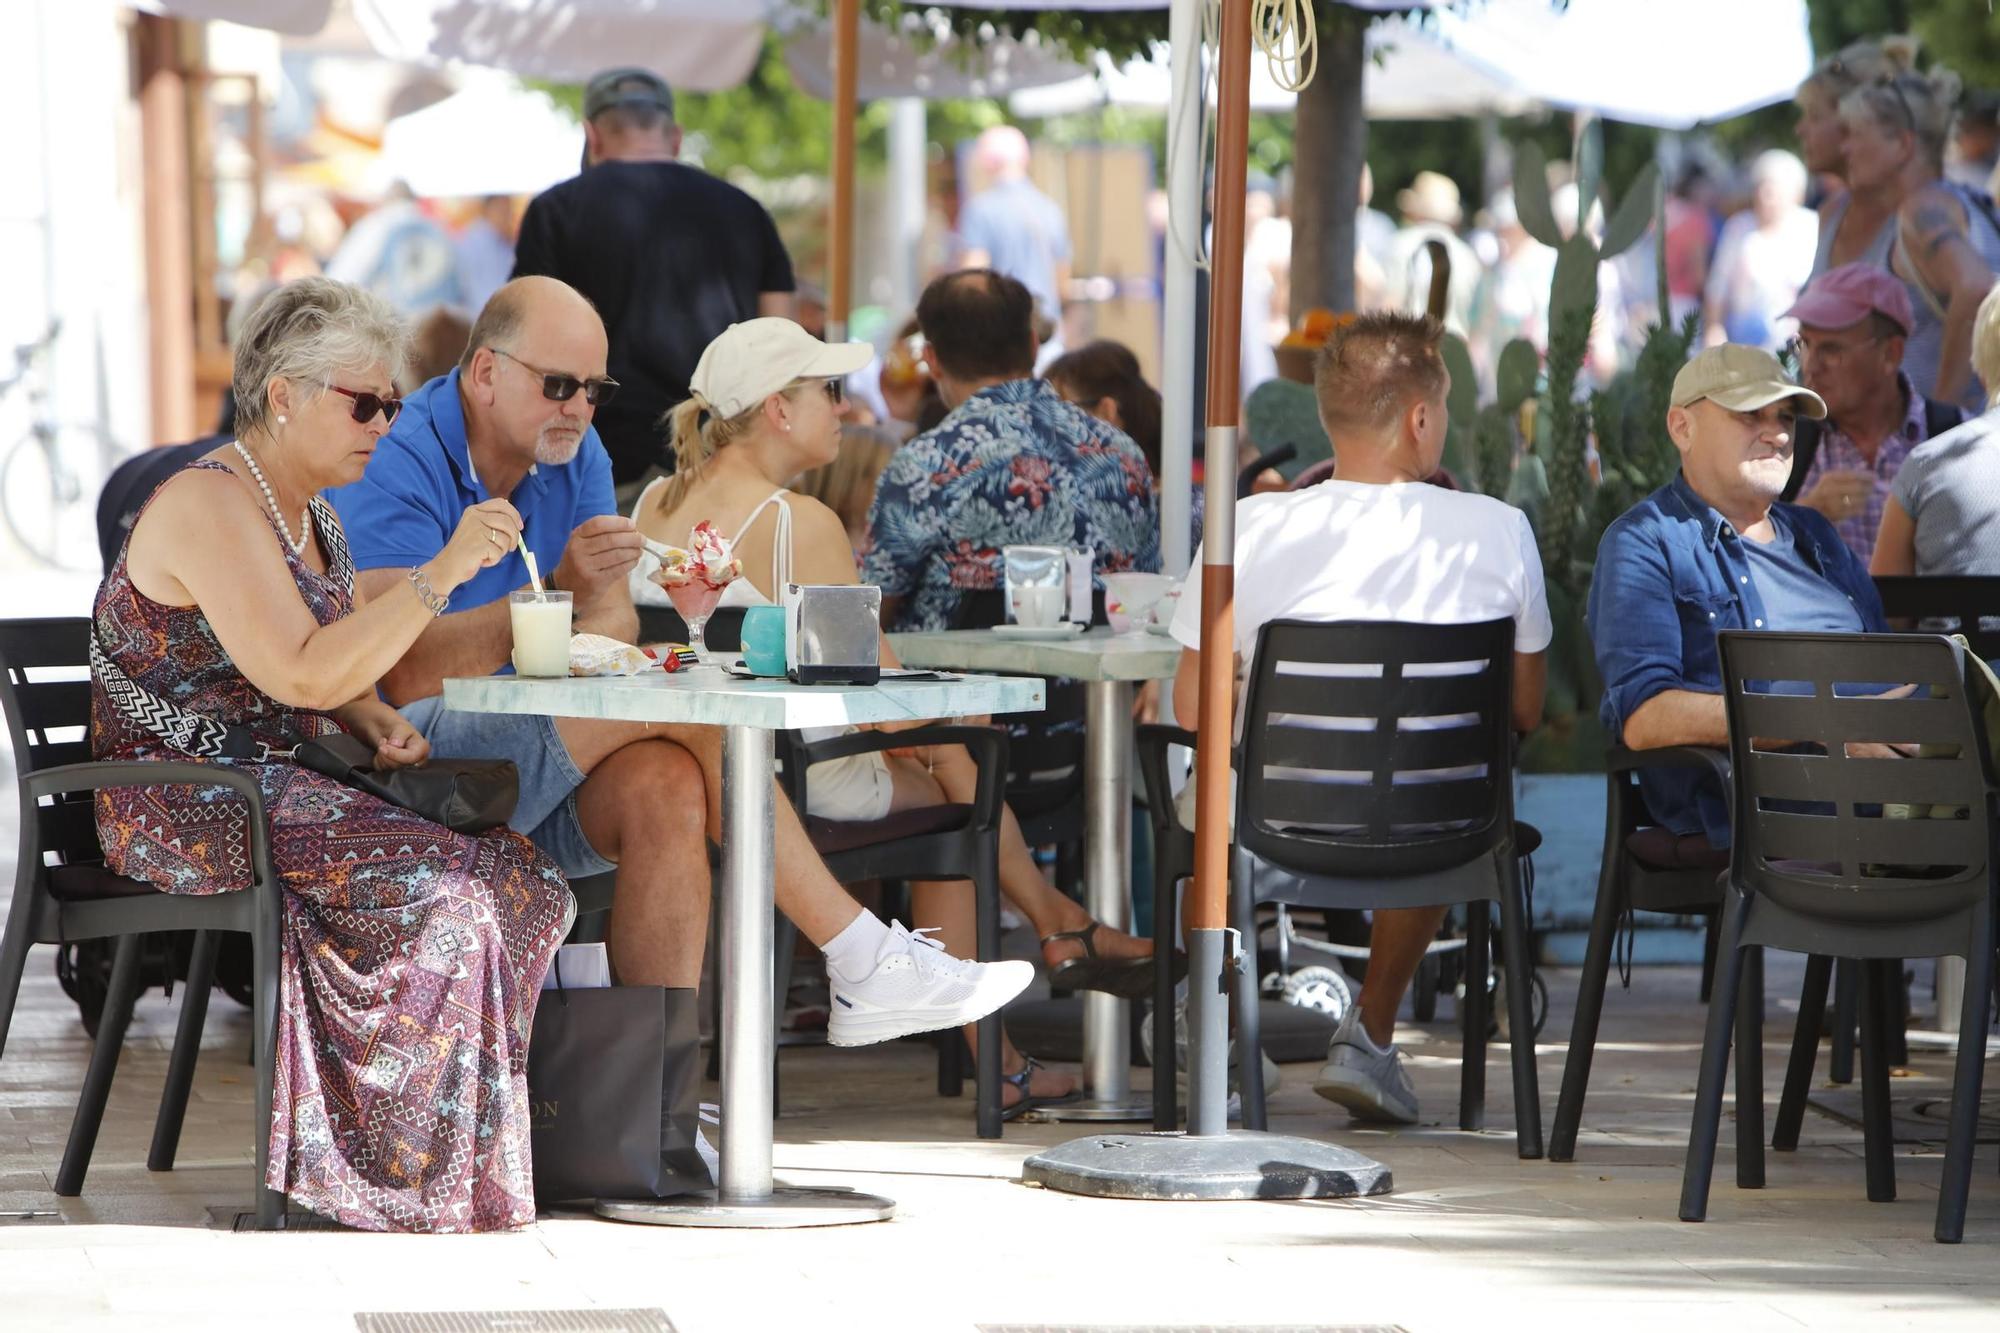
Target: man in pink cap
(1853, 321)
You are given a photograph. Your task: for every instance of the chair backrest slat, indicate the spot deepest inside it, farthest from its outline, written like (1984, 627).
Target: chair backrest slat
(1376, 747)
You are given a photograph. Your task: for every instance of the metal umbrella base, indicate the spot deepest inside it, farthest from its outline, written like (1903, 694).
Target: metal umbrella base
(787, 1206)
(1238, 1165)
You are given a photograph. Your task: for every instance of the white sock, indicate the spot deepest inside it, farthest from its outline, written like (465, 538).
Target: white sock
(1361, 1031)
(852, 953)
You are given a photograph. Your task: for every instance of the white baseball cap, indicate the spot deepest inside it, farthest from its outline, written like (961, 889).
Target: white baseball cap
(749, 362)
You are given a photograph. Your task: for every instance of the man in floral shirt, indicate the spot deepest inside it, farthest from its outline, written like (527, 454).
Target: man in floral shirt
(1013, 464)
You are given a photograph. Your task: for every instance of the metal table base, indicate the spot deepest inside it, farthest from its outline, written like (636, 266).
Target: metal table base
(746, 1195)
(788, 1206)
(1107, 878)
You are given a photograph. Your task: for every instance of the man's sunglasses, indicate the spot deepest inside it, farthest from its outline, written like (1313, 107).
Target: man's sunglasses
(366, 405)
(561, 388)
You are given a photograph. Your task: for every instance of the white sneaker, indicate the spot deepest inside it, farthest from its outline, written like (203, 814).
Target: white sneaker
(918, 987)
(1372, 1084)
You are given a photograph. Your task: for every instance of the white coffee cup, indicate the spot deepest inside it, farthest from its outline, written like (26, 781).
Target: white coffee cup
(1039, 608)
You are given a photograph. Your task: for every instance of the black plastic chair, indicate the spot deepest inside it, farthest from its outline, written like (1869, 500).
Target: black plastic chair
(1173, 861)
(1819, 866)
(1645, 869)
(940, 842)
(63, 893)
(1044, 750)
(1322, 821)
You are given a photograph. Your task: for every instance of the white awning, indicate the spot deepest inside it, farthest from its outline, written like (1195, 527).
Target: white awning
(295, 18)
(699, 45)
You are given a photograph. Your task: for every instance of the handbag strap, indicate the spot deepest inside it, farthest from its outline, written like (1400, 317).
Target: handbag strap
(189, 732)
(195, 733)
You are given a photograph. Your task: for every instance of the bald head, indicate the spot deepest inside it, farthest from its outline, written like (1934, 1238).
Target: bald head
(533, 303)
(1002, 152)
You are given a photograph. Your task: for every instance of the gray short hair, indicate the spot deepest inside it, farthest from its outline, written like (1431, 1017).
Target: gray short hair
(309, 331)
(1986, 342)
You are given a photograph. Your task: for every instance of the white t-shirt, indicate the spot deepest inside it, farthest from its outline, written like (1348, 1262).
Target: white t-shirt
(1345, 550)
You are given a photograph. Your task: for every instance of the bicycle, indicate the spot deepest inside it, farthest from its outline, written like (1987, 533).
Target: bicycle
(50, 476)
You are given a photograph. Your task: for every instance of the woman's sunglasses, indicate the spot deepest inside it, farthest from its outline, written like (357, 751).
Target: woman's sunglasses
(561, 388)
(366, 405)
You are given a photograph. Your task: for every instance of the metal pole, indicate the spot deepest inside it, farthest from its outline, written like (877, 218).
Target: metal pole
(1209, 960)
(908, 140)
(1107, 813)
(840, 226)
(1177, 349)
(748, 1036)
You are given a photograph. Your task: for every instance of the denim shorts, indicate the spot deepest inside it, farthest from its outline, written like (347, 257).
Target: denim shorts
(546, 811)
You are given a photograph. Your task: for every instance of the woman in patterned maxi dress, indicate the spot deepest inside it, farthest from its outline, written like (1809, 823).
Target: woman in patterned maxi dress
(411, 956)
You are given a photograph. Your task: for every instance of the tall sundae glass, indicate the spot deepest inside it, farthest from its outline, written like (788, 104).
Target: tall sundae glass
(694, 580)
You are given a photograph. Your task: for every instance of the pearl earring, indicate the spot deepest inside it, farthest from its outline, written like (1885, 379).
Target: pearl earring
(282, 419)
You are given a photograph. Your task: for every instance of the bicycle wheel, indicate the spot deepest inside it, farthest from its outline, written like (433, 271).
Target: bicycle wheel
(48, 496)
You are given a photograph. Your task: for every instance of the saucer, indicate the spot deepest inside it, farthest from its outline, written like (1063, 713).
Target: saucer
(1069, 629)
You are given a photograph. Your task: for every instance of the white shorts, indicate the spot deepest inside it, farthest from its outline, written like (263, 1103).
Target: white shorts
(855, 789)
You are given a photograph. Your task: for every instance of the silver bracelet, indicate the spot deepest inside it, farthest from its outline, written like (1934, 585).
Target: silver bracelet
(432, 602)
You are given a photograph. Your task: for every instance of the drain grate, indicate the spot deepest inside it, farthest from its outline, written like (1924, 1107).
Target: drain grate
(1923, 1118)
(1189, 1328)
(517, 1321)
(247, 1221)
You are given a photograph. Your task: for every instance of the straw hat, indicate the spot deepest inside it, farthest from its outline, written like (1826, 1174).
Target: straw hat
(1432, 197)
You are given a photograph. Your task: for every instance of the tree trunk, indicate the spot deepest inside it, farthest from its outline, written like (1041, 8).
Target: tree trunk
(1331, 138)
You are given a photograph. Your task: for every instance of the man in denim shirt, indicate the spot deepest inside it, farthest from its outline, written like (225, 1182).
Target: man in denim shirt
(1714, 549)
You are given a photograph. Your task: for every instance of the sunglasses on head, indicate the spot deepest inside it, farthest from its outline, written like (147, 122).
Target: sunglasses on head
(560, 388)
(366, 404)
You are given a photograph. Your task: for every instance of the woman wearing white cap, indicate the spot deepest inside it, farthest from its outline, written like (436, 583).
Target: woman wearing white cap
(765, 408)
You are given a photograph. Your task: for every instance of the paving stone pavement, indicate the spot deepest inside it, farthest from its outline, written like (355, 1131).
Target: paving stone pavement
(1471, 1237)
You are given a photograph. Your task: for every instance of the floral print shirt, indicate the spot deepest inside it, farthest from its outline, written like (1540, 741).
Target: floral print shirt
(1012, 465)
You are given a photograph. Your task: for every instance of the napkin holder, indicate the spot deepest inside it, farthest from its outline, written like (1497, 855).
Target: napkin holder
(833, 634)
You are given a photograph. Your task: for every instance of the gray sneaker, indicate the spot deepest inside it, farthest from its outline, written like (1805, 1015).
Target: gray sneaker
(1371, 1084)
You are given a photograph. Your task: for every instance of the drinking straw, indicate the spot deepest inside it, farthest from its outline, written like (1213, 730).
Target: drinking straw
(534, 575)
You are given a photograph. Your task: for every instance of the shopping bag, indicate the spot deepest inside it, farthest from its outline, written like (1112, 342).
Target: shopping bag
(614, 1082)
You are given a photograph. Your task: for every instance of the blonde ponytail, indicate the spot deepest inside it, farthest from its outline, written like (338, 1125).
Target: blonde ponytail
(694, 441)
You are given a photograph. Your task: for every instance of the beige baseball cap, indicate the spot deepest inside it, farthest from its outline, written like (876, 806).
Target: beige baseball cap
(749, 362)
(1742, 379)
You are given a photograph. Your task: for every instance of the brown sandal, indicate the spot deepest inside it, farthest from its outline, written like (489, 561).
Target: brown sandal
(1127, 978)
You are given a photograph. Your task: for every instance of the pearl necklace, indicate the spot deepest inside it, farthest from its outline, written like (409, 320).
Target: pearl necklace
(305, 515)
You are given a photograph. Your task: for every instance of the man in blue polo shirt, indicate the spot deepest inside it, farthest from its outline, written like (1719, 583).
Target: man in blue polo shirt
(1714, 549)
(514, 422)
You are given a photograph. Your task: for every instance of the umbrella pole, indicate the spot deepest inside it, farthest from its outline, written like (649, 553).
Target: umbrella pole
(840, 224)
(1209, 1161)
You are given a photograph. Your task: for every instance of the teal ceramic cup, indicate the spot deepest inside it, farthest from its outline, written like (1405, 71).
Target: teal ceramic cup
(764, 640)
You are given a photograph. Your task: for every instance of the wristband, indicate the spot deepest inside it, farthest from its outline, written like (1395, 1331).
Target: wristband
(432, 602)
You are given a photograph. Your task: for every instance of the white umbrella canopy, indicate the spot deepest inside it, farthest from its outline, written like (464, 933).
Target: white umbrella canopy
(491, 137)
(1649, 62)
(296, 18)
(699, 45)
(1411, 77)
(933, 65)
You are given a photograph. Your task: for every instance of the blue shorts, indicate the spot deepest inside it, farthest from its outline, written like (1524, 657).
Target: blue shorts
(546, 811)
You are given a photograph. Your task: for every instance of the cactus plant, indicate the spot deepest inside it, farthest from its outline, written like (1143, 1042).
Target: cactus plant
(1572, 308)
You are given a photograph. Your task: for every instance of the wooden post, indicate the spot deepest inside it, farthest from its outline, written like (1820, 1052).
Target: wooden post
(1208, 905)
(169, 242)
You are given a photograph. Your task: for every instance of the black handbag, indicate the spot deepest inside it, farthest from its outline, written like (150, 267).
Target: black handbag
(464, 795)
(614, 1081)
